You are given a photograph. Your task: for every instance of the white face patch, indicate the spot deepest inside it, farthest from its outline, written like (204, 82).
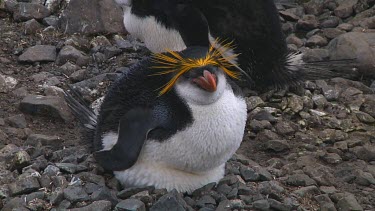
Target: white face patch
(109, 140)
(195, 95)
(156, 36)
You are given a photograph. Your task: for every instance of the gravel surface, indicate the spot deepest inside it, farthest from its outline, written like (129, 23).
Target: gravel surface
(306, 148)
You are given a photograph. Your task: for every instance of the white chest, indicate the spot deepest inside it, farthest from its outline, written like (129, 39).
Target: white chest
(215, 134)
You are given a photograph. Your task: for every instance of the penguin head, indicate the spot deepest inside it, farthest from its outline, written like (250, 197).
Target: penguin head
(165, 24)
(197, 74)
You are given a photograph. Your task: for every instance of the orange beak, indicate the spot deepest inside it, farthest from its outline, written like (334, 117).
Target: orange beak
(207, 81)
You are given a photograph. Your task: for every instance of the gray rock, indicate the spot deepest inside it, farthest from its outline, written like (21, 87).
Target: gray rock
(289, 16)
(331, 22)
(345, 27)
(369, 105)
(130, 205)
(364, 178)
(300, 180)
(206, 200)
(314, 7)
(277, 145)
(21, 159)
(75, 194)
(284, 128)
(24, 186)
(56, 197)
(295, 103)
(254, 102)
(71, 168)
(46, 105)
(365, 118)
(332, 158)
(332, 33)
(307, 23)
(346, 8)
(325, 202)
(20, 92)
(68, 68)
(51, 21)
(92, 17)
(127, 192)
(261, 204)
(69, 53)
(293, 39)
(104, 194)
(349, 202)
(171, 201)
(38, 140)
(316, 54)
(278, 205)
(17, 203)
(355, 45)
(101, 205)
(366, 153)
(368, 23)
(7, 83)
(307, 191)
(32, 26)
(39, 53)
(249, 174)
(27, 11)
(17, 121)
(316, 40)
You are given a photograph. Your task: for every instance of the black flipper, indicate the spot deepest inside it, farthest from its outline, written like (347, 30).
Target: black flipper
(133, 130)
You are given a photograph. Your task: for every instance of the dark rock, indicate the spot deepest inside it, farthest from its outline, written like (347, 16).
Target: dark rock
(224, 189)
(348, 202)
(27, 11)
(131, 205)
(332, 33)
(36, 195)
(15, 204)
(32, 26)
(51, 21)
(17, 121)
(81, 16)
(70, 167)
(293, 39)
(284, 128)
(277, 145)
(289, 16)
(315, 54)
(345, 27)
(254, 102)
(364, 178)
(325, 202)
(249, 174)
(24, 186)
(300, 180)
(278, 205)
(308, 22)
(332, 158)
(69, 53)
(171, 201)
(345, 9)
(261, 205)
(205, 200)
(316, 40)
(39, 53)
(38, 140)
(68, 68)
(365, 118)
(101, 205)
(46, 105)
(56, 197)
(75, 194)
(203, 190)
(331, 22)
(366, 153)
(104, 194)
(78, 76)
(127, 192)
(314, 7)
(307, 191)
(20, 92)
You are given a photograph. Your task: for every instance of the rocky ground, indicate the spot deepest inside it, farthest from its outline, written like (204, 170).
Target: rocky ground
(308, 148)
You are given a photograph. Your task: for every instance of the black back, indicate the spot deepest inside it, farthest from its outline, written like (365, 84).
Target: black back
(255, 28)
(137, 89)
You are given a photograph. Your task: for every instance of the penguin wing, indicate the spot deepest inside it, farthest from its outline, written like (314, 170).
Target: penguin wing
(133, 130)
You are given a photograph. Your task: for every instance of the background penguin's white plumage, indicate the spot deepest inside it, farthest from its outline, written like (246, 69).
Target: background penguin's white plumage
(254, 26)
(179, 140)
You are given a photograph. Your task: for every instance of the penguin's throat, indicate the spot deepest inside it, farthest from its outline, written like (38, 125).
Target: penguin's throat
(207, 82)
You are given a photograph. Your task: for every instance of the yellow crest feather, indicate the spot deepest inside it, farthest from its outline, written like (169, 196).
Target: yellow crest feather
(175, 63)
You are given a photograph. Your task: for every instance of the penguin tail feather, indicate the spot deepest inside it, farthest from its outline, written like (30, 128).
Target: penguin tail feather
(294, 71)
(81, 110)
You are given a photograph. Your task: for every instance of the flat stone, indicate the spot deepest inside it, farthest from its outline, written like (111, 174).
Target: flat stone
(130, 205)
(71, 168)
(92, 17)
(349, 202)
(261, 205)
(331, 22)
(51, 21)
(171, 201)
(316, 40)
(307, 23)
(277, 145)
(307, 191)
(128, 192)
(278, 205)
(284, 128)
(75, 194)
(206, 200)
(300, 180)
(101, 205)
(293, 39)
(69, 53)
(345, 27)
(366, 153)
(332, 33)
(24, 186)
(17, 121)
(254, 102)
(39, 53)
(364, 117)
(325, 202)
(345, 9)
(249, 174)
(32, 26)
(52, 106)
(56, 197)
(364, 178)
(26, 11)
(332, 158)
(43, 140)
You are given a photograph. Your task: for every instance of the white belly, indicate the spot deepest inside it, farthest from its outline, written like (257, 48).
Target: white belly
(196, 155)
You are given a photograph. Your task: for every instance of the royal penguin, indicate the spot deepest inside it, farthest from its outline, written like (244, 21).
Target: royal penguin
(254, 27)
(172, 120)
